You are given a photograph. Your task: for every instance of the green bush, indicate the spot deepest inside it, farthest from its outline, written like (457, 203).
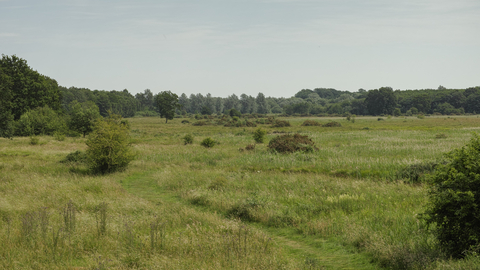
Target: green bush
(454, 200)
(208, 142)
(332, 124)
(188, 139)
(75, 157)
(108, 145)
(259, 135)
(309, 123)
(281, 123)
(291, 143)
(415, 173)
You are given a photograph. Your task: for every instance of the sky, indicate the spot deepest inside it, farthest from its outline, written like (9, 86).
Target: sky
(222, 47)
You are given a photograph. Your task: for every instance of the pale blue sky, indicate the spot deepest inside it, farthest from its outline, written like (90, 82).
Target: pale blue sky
(276, 47)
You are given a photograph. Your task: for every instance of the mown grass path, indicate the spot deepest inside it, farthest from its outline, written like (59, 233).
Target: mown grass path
(316, 252)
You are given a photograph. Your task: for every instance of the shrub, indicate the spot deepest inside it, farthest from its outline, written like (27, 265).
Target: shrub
(380, 119)
(259, 135)
(108, 146)
(281, 123)
(250, 147)
(308, 123)
(34, 140)
(291, 143)
(75, 157)
(415, 173)
(332, 124)
(188, 139)
(200, 123)
(185, 122)
(441, 136)
(208, 142)
(454, 200)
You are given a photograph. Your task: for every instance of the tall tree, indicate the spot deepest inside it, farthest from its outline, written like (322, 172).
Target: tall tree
(28, 89)
(166, 103)
(262, 105)
(381, 101)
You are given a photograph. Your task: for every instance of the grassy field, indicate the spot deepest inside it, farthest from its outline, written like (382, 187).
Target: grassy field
(189, 207)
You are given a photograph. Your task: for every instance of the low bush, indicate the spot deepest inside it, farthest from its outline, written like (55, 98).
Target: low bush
(291, 143)
(188, 139)
(281, 123)
(200, 123)
(259, 135)
(185, 122)
(75, 157)
(332, 124)
(415, 173)
(208, 142)
(309, 123)
(441, 136)
(250, 147)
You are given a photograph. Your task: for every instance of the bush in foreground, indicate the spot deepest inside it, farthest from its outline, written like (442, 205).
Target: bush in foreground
(108, 145)
(291, 143)
(259, 135)
(454, 200)
(208, 142)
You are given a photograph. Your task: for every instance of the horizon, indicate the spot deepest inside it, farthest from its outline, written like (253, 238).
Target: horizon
(276, 47)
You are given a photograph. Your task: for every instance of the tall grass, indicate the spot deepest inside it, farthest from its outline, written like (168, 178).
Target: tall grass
(199, 205)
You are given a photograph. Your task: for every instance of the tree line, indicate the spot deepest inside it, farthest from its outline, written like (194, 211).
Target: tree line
(32, 103)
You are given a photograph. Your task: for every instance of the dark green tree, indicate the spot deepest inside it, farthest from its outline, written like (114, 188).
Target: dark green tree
(6, 116)
(166, 103)
(262, 105)
(27, 89)
(381, 101)
(83, 116)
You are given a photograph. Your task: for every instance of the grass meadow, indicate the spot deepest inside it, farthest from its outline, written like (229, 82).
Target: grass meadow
(181, 206)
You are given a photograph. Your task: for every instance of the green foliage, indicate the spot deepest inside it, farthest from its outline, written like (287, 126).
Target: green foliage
(34, 140)
(416, 173)
(40, 121)
(259, 135)
(250, 147)
(75, 157)
(291, 143)
(108, 146)
(454, 200)
(188, 139)
(166, 103)
(233, 112)
(308, 123)
(381, 101)
(281, 123)
(24, 89)
(208, 142)
(83, 116)
(332, 124)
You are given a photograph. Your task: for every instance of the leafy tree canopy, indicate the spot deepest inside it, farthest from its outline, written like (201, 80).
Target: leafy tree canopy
(166, 103)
